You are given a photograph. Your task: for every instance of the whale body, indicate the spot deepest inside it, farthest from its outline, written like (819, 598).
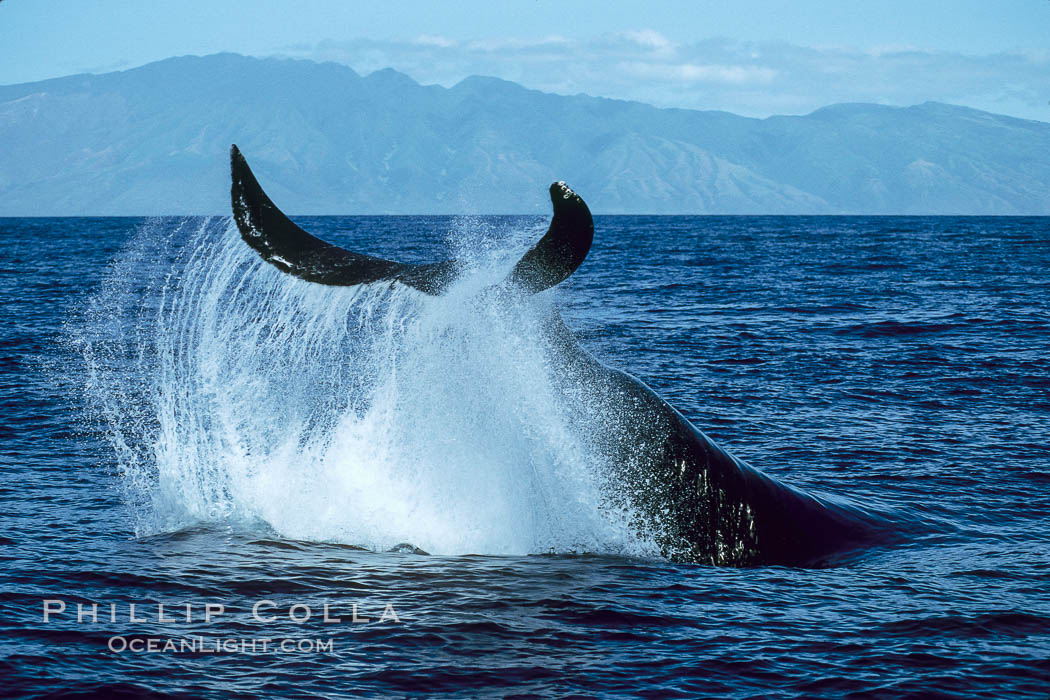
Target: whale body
(694, 500)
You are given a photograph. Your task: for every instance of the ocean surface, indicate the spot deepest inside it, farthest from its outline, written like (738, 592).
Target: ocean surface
(183, 426)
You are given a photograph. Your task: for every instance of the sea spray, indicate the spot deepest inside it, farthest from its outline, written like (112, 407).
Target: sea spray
(369, 415)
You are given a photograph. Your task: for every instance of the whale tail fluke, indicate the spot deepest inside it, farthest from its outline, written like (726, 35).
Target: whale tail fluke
(291, 249)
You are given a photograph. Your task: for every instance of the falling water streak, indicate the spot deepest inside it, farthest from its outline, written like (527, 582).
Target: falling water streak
(367, 415)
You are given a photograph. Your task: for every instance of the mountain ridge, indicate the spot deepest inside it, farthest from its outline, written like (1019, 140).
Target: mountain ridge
(326, 140)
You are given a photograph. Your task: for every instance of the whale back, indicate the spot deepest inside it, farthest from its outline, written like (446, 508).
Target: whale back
(693, 499)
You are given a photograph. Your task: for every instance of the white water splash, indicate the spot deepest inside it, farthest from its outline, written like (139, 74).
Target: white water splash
(368, 415)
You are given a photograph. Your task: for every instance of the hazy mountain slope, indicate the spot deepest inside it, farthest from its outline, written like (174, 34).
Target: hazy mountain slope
(153, 140)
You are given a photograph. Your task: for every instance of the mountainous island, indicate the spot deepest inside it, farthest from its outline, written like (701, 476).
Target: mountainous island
(324, 140)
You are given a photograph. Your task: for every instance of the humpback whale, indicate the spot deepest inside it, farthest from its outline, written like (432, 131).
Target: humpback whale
(694, 500)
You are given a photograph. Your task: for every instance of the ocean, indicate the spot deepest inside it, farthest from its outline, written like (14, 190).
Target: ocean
(219, 481)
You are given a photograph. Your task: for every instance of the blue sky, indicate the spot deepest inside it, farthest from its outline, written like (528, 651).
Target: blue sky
(754, 57)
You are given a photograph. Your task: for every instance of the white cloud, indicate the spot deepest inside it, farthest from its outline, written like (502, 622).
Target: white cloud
(431, 40)
(650, 39)
(756, 79)
(511, 44)
(696, 73)
(882, 50)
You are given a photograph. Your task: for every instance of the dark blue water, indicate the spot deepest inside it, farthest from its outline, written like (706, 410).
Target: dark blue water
(899, 362)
